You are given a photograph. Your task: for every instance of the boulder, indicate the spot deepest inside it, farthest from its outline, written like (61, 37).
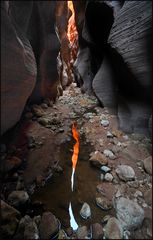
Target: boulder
(104, 203)
(49, 226)
(82, 232)
(97, 231)
(129, 213)
(125, 173)
(97, 159)
(9, 219)
(148, 164)
(31, 231)
(113, 229)
(17, 198)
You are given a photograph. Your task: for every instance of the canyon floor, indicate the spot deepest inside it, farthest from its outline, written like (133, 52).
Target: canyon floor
(113, 174)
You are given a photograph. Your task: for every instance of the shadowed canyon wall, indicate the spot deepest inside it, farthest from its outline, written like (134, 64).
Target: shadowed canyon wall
(30, 47)
(114, 60)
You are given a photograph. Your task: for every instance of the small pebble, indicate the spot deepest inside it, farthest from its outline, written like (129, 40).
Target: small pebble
(108, 177)
(104, 123)
(110, 135)
(105, 169)
(102, 176)
(144, 205)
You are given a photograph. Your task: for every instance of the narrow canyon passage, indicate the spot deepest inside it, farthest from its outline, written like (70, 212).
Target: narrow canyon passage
(76, 148)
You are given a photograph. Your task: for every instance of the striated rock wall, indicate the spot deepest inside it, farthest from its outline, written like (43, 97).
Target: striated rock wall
(118, 37)
(45, 44)
(18, 68)
(29, 50)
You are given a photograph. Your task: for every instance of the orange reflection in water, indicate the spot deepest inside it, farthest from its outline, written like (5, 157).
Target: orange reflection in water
(76, 146)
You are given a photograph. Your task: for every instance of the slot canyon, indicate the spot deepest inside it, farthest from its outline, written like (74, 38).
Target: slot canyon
(76, 119)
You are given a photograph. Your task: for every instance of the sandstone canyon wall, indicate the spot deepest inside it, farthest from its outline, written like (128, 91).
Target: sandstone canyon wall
(114, 58)
(29, 50)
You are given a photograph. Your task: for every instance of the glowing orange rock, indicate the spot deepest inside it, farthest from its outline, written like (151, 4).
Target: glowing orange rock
(72, 31)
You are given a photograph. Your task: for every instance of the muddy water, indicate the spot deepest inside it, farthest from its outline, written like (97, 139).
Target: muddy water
(57, 194)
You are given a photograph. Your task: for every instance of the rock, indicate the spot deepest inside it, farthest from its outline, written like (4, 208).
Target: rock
(85, 211)
(106, 218)
(109, 153)
(69, 231)
(48, 102)
(108, 177)
(97, 159)
(37, 110)
(12, 163)
(144, 205)
(137, 136)
(148, 164)
(113, 229)
(117, 133)
(138, 194)
(43, 121)
(125, 137)
(105, 169)
(27, 229)
(97, 231)
(31, 231)
(103, 203)
(148, 196)
(9, 219)
(104, 123)
(116, 149)
(20, 184)
(134, 184)
(110, 135)
(8, 212)
(102, 176)
(125, 173)
(101, 142)
(118, 193)
(129, 213)
(8, 229)
(17, 198)
(60, 130)
(62, 234)
(37, 220)
(49, 226)
(44, 105)
(82, 232)
(31, 142)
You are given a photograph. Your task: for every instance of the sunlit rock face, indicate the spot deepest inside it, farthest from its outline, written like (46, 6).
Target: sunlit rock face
(18, 65)
(68, 36)
(115, 39)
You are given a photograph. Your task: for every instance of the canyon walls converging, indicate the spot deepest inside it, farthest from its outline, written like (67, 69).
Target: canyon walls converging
(113, 61)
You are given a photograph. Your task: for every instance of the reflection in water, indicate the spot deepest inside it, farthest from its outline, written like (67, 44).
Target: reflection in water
(73, 223)
(75, 134)
(72, 179)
